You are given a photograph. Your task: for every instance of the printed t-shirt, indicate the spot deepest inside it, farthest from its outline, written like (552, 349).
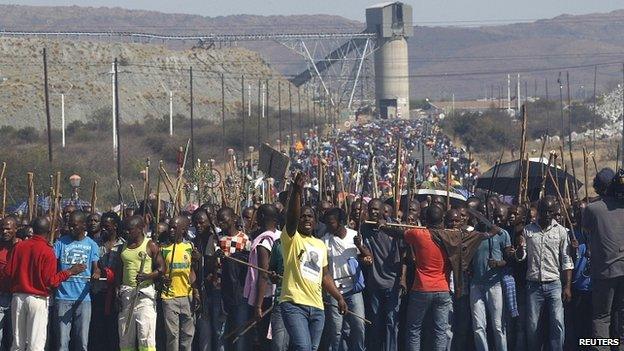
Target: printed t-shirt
(180, 270)
(432, 266)
(70, 252)
(304, 259)
(339, 251)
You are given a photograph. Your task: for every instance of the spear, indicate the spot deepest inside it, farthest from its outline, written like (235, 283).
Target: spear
(178, 191)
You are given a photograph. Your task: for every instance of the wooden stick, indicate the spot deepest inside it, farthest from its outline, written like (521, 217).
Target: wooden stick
(93, 196)
(526, 178)
(4, 196)
(522, 151)
(562, 204)
(595, 164)
(574, 185)
(146, 180)
(31, 195)
(165, 182)
(397, 225)
(177, 206)
(134, 197)
(57, 205)
(551, 157)
(252, 324)
(158, 198)
(351, 313)
(3, 171)
(397, 177)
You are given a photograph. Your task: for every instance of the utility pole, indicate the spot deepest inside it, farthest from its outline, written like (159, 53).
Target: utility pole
(562, 134)
(63, 120)
(518, 93)
(222, 113)
(170, 112)
(192, 119)
(47, 103)
(569, 114)
(260, 113)
(279, 109)
(594, 112)
(244, 144)
(117, 120)
(299, 111)
(290, 110)
(113, 84)
(508, 93)
(547, 108)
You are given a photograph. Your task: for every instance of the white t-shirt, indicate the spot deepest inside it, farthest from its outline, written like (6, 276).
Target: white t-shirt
(338, 253)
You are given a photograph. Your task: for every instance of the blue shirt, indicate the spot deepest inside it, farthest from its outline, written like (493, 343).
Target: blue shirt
(493, 248)
(69, 252)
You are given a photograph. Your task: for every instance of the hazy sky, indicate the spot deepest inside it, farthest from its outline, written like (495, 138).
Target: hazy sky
(426, 12)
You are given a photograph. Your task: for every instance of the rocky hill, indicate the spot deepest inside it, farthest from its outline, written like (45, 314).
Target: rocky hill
(146, 74)
(467, 62)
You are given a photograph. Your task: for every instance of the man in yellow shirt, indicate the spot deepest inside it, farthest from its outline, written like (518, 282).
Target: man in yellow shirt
(305, 275)
(179, 297)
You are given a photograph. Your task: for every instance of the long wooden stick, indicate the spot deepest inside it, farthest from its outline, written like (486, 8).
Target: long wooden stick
(551, 157)
(397, 177)
(57, 210)
(31, 195)
(522, 151)
(158, 199)
(574, 185)
(586, 185)
(177, 206)
(134, 197)
(526, 178)
(146, 181)
(251, 325)
(3, 170)
(562, 204)
(4, 196)
(93, 196)
(397, 225)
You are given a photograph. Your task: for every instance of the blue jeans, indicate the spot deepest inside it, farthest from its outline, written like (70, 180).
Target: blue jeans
(461, 324)
(538, 295)
(383, 311)
(5, 320)
(73, 318)
(346, 332)
(487, 301)
(210, 326)
(304, 325)
(440, 304)
(237, 316)
(279, 334)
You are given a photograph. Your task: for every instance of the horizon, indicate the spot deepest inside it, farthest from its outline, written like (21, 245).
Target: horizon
(479, 13)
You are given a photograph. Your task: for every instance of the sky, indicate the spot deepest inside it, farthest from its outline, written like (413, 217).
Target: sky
(426, 12)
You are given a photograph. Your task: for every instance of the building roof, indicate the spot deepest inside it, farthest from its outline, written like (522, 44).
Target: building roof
(382, 4)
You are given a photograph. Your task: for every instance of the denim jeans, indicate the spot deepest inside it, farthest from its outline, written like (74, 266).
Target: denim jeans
(210, 327)
(461, 324)
(279, 334)
(383, 311)
(5, 320)
(304, 325)
(440, 304)
(345, 332)
(73, 319)
(236, 316)
(538, 295)
(487, 299)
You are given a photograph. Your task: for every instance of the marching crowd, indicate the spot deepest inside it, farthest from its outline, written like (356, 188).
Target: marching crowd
(428, 275)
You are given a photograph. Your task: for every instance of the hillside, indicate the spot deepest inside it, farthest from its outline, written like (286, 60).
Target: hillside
(443, 60)
(146, 73)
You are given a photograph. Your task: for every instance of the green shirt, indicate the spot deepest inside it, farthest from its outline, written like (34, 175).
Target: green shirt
(276, 264)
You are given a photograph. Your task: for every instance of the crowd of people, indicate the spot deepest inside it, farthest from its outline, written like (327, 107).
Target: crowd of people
(355, 272)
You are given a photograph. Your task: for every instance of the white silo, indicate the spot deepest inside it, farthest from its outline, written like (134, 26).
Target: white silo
(392, 22)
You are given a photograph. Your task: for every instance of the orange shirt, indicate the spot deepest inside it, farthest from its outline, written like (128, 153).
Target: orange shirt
(432, 265)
